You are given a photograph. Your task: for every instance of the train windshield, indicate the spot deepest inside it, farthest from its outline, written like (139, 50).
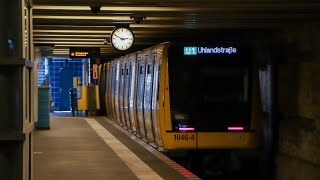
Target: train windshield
(210, 94)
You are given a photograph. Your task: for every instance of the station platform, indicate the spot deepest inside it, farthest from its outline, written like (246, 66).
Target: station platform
(94, 148)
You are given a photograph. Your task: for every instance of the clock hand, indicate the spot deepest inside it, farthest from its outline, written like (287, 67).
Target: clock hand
(120, 37)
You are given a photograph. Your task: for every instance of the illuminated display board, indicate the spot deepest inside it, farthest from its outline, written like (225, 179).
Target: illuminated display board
(84, 52)
(204, 50)
(79, 54)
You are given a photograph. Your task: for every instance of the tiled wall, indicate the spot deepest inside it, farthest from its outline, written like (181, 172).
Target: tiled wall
(43, 67)
(41, 71)
(55, 69)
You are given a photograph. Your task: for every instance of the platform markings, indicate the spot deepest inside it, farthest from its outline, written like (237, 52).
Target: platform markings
(186, 173)
(137, 166)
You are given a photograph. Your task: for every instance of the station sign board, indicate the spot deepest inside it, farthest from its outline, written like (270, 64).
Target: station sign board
(83, 52)
(78, 54)
(208, 50)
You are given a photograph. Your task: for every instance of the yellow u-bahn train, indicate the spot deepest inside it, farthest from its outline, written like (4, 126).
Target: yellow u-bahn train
(192, 96)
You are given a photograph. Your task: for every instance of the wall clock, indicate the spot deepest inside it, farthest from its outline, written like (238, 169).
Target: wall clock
(122, 38)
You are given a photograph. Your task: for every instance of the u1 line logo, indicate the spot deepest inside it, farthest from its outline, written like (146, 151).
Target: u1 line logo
(190, 51)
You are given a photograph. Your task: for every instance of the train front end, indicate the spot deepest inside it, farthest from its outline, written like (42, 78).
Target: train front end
(211, 98)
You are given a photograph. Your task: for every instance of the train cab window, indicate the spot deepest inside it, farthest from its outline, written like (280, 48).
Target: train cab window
(210, 94)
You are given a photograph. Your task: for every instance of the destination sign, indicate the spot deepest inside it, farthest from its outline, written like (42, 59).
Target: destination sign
(79, 54)
(84, 52)
(203, 50)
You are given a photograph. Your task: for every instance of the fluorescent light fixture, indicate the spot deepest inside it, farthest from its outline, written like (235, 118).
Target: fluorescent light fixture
(69, 35)
(67, 39)
(116, 8)
(112, 27)
(115, 18)
(79, 45)
(72, 31)
(72, 26)
(86, 31)
(66, 42)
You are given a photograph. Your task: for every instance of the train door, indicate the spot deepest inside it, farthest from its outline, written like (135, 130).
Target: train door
(121, 87)
(132, 92)
(126, 93)
(112, 81)
(117, 91)
(114, 74)
(98, 80)
(111, 91)
(102, 87)
(155, 99)
(140, 92)
(107, 80)
(148, 97)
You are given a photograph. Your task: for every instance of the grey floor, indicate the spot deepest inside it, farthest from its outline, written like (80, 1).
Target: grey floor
(72, 150)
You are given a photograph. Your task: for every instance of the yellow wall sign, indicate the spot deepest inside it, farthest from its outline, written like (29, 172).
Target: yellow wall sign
(79, 54)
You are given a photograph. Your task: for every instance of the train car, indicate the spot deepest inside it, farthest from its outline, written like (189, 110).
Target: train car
(187, 98)
(193, 96)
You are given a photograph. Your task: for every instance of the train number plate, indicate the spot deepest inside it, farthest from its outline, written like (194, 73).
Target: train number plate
(184, 137)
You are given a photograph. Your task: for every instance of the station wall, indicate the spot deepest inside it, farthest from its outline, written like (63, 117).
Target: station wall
(298, 91)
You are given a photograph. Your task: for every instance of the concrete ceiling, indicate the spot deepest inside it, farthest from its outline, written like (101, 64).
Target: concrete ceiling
(71, 23)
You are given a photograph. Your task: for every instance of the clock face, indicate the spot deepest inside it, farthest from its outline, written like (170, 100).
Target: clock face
(122, 39)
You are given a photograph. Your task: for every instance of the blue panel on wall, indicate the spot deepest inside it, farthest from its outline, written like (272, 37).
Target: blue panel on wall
(55, 70)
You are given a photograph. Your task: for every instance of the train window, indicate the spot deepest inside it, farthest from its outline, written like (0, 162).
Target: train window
(217, 94)
(158, 88)
(149, 69)
(127, 71)
(122, 71)
(141, 69)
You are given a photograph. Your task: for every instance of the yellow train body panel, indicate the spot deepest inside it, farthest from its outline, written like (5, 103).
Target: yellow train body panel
(83, 100)
(210, 140)
(227, 140)
(96, 87)
(89, 98)
(178, 140)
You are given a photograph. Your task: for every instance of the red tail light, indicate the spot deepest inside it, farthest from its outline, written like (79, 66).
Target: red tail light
(235, 128)
(185, 128)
